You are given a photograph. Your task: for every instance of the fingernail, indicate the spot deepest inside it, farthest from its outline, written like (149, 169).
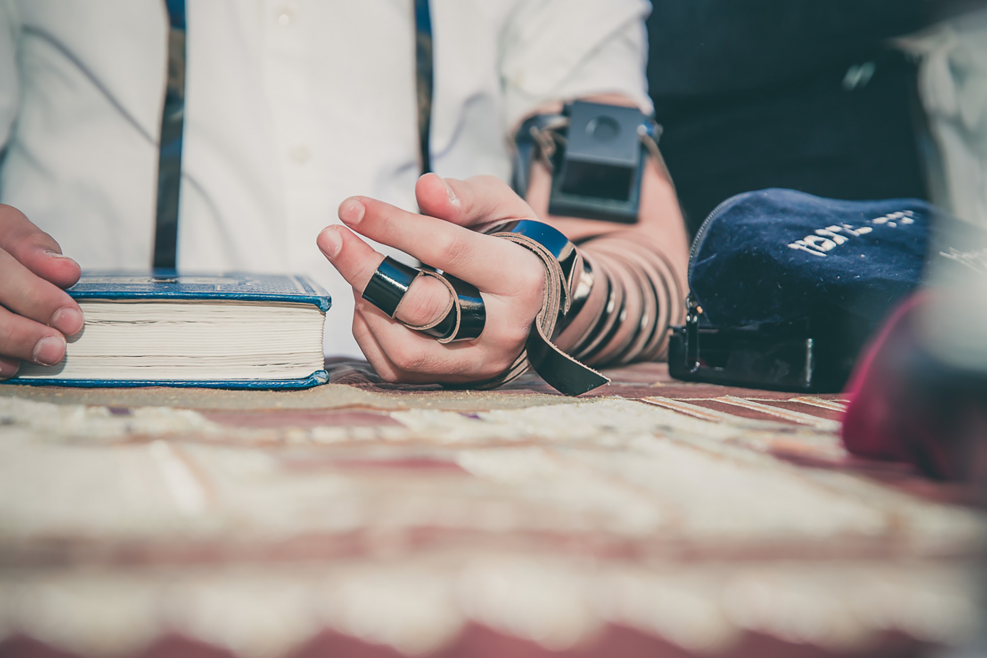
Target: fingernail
(49, 350)
(55, 254)
(351, 211)
(68, 320)
(452, 195)
(330, 242)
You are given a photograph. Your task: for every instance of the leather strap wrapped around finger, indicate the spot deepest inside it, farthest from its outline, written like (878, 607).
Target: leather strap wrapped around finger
(563, 266)
(464, 317)
(389, 284)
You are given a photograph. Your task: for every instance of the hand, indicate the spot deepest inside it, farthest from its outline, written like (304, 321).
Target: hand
(35, 314)
(510, 278)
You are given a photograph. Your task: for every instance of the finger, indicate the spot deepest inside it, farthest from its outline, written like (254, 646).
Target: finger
(371, 350)
(472, 202)
(26, 340)
(422, 358)
(8, 367)
(24, 293)
(491, 264)
(377, 358)
(426, 301)
(411, 352)
(35, 249)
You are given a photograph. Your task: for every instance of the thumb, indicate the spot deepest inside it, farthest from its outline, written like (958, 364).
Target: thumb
(472, 202)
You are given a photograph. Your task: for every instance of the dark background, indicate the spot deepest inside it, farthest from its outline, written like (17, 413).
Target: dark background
(756, 93)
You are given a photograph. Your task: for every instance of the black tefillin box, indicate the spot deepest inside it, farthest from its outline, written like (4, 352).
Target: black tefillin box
(598, 173)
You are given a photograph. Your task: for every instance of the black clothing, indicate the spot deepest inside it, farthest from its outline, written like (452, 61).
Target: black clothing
(786, 93)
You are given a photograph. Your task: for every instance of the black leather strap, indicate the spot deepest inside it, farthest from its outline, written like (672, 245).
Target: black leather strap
(389, 284)
(527, 147)
(466, 316)
(562, 264)
(170, 147)
(424, 80)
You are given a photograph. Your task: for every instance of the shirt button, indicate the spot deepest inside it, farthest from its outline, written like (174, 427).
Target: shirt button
(286, 15)
(299, 154)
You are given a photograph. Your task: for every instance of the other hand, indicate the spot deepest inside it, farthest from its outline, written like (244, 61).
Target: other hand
(510, 278)
(36, 315)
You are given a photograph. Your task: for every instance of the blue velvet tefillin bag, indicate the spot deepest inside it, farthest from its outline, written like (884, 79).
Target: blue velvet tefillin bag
(786, 287)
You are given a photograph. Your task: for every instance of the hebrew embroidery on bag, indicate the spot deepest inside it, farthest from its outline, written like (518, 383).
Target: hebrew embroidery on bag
(826, 239)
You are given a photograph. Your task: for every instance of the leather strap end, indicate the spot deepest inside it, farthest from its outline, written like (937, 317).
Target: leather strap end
(558, 369)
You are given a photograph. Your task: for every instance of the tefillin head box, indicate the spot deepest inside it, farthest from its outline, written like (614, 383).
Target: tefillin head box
(599, 176)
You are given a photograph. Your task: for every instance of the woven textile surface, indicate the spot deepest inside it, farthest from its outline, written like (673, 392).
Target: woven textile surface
(649, 518)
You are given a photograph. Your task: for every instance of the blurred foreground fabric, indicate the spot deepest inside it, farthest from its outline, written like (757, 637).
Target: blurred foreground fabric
(654, 518)
(909, 407)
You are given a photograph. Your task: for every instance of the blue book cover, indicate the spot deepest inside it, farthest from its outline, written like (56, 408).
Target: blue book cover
(233, 285)
(168, 286)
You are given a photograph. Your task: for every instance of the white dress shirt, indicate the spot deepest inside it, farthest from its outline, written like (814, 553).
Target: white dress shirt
(953, 86)
(291, 106)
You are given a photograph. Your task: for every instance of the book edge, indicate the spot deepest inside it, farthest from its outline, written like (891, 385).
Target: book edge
(309, 291)
(317, 378)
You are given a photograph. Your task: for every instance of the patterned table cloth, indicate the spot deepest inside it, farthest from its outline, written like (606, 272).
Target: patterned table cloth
(649, 518)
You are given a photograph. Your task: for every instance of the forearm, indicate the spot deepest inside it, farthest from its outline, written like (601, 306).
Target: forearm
(638, 273)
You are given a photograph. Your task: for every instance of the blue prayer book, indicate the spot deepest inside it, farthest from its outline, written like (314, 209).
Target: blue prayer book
(231, 330)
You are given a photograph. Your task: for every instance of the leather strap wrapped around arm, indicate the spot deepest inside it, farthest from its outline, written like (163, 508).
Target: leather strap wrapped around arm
(610, 305)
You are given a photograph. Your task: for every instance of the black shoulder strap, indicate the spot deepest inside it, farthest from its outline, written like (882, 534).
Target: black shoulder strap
(423, 75)
(170, 149)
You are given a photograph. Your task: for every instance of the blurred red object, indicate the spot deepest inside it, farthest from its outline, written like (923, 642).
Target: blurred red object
(906, 406)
